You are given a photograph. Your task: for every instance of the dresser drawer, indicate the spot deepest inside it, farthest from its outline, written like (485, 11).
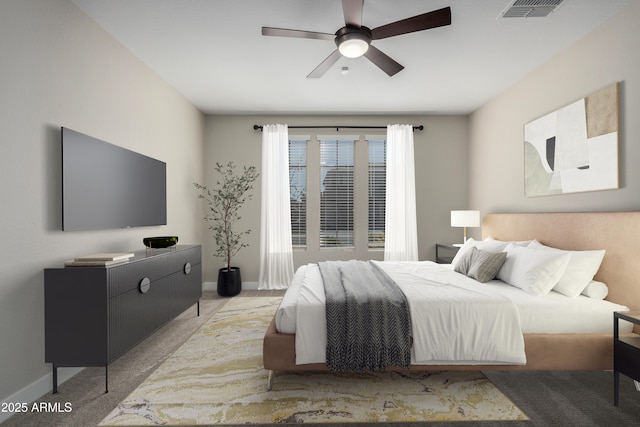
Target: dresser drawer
(134, 315)
(180, 259)
(126, 277)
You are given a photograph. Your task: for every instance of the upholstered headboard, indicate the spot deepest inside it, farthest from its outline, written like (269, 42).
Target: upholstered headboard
(616, 232)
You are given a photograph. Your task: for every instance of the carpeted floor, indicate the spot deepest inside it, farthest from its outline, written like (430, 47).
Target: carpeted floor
(547, 398)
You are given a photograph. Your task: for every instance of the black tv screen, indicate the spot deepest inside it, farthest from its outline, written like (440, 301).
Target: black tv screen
(105, 186)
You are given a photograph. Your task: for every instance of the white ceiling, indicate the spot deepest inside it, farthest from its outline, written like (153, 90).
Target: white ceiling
(212, 51)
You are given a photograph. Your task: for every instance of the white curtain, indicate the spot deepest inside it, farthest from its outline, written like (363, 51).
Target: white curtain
(276, 251)
(400, 229)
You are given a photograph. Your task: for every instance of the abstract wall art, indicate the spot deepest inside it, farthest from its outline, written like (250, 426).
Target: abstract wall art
(575, 148)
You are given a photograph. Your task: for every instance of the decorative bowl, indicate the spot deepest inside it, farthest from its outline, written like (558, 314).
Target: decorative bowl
(160, 242)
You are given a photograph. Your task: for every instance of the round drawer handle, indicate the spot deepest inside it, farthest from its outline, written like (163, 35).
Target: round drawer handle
(145, 285)
(187, 268)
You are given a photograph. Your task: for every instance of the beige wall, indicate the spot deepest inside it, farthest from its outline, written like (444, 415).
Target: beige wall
(441, 178)
(59, 68)
(607, 55)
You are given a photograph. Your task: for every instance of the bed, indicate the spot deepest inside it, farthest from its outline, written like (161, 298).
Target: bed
(615, 232)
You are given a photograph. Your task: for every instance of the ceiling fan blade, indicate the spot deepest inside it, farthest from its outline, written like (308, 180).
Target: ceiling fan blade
(434, 19)
(283, 32)
(352, 12)
(325, 65)
(382, 61)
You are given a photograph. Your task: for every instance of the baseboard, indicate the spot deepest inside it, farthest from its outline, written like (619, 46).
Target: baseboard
(213, 286)
(36, 390)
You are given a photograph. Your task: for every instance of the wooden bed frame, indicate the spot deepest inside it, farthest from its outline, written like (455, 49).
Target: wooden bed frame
(617, 232)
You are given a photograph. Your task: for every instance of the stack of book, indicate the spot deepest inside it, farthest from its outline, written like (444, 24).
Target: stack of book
(99, 260)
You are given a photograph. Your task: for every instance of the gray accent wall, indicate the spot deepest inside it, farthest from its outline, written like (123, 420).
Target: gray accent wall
(496, 149)
(59, 68)
(441, 179)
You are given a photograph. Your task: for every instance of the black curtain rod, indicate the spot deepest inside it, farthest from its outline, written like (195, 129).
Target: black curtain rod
(259, 127)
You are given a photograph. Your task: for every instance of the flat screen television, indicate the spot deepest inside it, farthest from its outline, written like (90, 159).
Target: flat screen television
(105, 186)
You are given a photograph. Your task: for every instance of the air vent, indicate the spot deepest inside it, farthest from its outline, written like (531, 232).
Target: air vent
(530, 8)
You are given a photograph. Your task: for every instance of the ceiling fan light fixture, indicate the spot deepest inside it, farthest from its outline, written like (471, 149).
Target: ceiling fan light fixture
(353, 48)
(353, 43)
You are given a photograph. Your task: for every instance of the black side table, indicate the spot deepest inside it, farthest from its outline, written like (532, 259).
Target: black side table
(626, 351)
(445, 252)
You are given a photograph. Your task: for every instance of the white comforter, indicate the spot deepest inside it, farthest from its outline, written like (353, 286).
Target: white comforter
(454, 321)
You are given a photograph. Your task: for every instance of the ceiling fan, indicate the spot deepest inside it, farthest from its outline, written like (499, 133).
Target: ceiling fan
(354, 39)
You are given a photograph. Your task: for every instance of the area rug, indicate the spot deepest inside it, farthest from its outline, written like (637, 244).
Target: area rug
(216, 378)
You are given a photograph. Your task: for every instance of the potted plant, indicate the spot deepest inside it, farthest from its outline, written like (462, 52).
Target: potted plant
(224, 202)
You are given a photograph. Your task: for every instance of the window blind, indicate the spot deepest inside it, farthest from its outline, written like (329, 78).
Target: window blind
(336, 193)
(377, 191)
(298, 191)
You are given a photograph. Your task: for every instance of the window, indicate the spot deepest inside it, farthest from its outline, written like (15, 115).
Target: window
(377, 190)
(336, 193)
(298, 191)
(328, 174)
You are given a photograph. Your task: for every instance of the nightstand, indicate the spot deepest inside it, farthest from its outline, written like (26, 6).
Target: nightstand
(445, 252)
(626, 351)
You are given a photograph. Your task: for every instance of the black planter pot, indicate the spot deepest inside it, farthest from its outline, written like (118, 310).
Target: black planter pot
(229, 282)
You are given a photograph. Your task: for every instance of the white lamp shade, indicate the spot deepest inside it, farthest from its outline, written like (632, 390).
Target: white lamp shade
(465, 218)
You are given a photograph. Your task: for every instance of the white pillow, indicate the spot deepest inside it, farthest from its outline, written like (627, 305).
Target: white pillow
(596, 290)
(491, 245)
(582, 266)
(488, 244)
(533, 271)
(470, 243)
(517, 243)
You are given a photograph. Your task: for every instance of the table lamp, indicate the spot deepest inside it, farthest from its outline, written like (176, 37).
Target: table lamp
(465, 219)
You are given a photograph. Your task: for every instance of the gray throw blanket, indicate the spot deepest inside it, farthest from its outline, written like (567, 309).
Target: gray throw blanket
(368, 320)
